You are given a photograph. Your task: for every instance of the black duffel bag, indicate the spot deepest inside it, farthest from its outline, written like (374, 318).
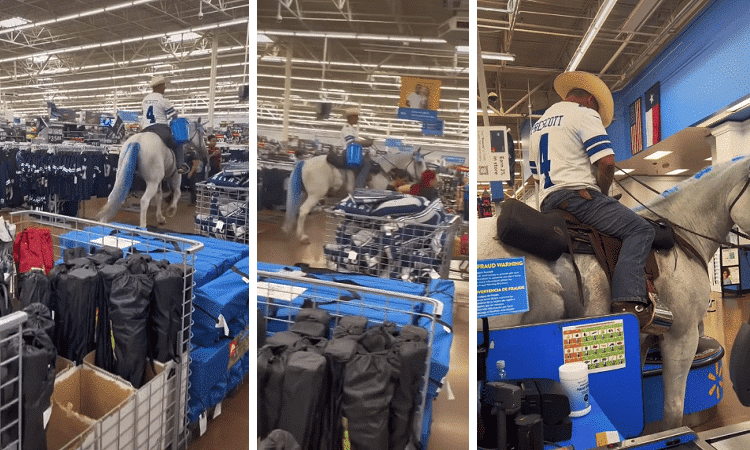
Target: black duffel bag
(542, 234)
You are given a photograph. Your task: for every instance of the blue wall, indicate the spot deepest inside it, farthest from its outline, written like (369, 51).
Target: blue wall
(706, 68)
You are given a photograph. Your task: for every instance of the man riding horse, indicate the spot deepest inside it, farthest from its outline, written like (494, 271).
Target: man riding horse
(573, 159)
(157, 112)
(350, 135)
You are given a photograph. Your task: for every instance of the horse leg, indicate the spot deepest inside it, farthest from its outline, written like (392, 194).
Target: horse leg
(677, 354)
(304, 210)
(174, 184)
(160, 219)
(148, 194)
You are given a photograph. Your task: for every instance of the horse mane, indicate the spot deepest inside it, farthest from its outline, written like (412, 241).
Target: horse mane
(711, 180)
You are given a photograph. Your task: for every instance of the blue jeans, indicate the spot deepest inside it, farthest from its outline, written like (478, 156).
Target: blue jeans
(609, 216)
(364, 173)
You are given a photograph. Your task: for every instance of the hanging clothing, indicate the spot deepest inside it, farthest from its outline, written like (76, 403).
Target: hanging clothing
(33, 250)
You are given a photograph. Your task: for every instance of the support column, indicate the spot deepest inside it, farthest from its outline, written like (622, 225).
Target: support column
(212, 85)
(287, 95)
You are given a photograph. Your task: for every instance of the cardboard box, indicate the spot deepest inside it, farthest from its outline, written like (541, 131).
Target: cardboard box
(62, 364)
(102, 397)
(150, 404)
(69, 430)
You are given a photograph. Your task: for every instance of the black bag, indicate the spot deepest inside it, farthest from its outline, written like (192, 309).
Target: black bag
(271, 362)
(542, 234)
(279, 440)
(350, 326)
(409, 355)
(320, 316)
(338, 353)
(167, 295)
(105, 357)
(302, 396)
(74, 296)
(34, 287)
(369, 384)
(39, 317)
(38, 382)
(129, 302)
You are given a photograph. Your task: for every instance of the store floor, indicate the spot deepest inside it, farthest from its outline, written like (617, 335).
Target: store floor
(228, 431)
(451, 409)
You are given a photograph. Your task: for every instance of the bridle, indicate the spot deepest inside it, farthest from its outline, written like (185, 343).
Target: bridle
(674, 225)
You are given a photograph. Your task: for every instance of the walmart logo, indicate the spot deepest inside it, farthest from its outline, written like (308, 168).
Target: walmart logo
(718, 383)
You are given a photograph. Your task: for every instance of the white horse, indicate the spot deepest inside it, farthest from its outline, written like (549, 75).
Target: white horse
(146, 154)
(709, 203)
(318, 179)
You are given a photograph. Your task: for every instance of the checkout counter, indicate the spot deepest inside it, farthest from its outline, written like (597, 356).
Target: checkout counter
(617, 417)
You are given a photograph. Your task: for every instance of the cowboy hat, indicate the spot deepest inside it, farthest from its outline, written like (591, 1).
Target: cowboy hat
(567, 81)
(351, 111)
(157, 80)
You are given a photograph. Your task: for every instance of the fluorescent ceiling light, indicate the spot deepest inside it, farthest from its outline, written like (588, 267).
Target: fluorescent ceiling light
(657, 155)
(263, 39)
(623, 171)
(498, 56)
(676, 172)
(591, 33)
(13, 22)
(462, 48)
(189, 36)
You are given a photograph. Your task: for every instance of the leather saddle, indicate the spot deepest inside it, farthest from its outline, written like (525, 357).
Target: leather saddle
(549, 235)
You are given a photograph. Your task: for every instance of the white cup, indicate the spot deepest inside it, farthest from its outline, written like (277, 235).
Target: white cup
(574, 378)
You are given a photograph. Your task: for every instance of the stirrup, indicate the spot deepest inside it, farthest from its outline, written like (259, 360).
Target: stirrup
(662, 319)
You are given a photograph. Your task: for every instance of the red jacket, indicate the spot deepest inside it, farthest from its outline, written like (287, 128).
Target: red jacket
(33, 249)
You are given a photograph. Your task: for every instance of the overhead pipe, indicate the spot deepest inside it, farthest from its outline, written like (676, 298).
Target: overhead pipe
(630, 34)
(635, 64)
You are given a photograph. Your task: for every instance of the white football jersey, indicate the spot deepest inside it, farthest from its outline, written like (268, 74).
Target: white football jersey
(156, 109)
(565, 143)
(348, 134)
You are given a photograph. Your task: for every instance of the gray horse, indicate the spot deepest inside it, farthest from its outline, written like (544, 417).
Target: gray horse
(146, 154)
(709, 203)
(318, 179)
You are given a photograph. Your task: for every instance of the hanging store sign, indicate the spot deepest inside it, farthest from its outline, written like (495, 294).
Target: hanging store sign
(420, 99)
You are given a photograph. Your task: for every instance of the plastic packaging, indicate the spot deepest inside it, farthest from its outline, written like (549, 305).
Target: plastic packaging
(574, 378)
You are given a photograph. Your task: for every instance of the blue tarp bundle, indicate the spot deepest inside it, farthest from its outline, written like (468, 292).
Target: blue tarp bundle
(211, 378)
(217, 255)
(227, 296)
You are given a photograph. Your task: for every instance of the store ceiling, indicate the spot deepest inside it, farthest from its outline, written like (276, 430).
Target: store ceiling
(543, 35)
(97, 56)
(402, 38)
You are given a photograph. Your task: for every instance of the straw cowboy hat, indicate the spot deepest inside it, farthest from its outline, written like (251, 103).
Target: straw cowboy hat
(351, 111)
(157, 80)
(567, 81)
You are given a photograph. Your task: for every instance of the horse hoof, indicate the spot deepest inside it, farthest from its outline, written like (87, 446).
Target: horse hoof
(304, 240)
(171, 212)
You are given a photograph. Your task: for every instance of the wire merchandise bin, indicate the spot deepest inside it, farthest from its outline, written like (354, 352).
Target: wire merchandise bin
(70, 232)
(222, 212)
(11, 374)
(282, 295)
(390, 248)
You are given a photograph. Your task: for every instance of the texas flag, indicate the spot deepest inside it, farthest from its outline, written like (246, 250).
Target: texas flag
(653, 116)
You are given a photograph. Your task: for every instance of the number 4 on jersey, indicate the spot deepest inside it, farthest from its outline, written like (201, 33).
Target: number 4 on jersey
(150, 114)
(544, 162)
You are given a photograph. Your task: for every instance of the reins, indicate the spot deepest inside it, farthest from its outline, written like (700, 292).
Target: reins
(675, 225)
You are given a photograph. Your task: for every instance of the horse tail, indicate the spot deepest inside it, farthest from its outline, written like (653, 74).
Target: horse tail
(293, 195)
(127, 165)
